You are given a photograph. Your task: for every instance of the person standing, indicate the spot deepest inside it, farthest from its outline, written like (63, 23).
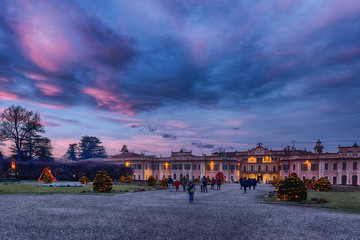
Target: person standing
(184, 183)
(254, 183)
(191, 191)
(245, 183)
(177, 184)
(241, 183)
(204, 179)
(201, 185)
(218, 183)
(212, 183)
(170, 182)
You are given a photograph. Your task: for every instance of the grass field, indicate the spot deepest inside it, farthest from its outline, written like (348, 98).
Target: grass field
(9, 188)
(344, 200)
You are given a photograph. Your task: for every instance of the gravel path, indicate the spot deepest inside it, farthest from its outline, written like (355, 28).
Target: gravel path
(225, 214)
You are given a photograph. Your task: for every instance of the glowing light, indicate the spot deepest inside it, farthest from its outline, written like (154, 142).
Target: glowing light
(127, 164)
(252, 160)
(13, 166)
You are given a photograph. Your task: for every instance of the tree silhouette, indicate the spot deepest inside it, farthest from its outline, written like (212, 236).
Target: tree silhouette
(90, 147)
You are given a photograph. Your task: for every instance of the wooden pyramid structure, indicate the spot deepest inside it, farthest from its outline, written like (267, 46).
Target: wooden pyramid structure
(45, 171)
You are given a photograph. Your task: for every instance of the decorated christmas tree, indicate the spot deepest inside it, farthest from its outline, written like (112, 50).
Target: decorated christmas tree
(208, 181)
(323, 184)
(277, 183)
(102, 182)
(122, 179)
(197, 180)
(292, 189)
(221, 176)
(309, 183)
(151, 181)
(164, 183)
(47, 178)
(84, 180)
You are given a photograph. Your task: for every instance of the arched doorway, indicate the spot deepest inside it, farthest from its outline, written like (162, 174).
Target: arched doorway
(266, 177)
(334, 180)
(343, 179)
(259, 177)
(354, 180)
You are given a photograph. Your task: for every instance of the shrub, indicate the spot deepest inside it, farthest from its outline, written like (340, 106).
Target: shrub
(309, 183)
(47, 178)
(128, 179)
(84, 180)
(102, 182)
(164, 183)
(292, 189)
(277, 183)
(197, 180)
(323, 184)
(151, 181)
(208, 181)
(293, 174)
(122, 179)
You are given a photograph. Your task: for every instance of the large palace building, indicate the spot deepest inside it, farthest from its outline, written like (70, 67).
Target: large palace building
(260, 163)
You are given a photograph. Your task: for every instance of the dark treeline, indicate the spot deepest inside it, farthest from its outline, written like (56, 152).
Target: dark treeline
(31, 170)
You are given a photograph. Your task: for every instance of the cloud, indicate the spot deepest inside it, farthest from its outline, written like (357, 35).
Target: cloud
(200, 145)
(172, 137)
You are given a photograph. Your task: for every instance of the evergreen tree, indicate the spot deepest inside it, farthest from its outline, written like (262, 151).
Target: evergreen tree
(151, 181)
(90, 147)
(292, 188)
(323, 184)
(72, 152)
(102, 182)
(124, 149)
(43, 149)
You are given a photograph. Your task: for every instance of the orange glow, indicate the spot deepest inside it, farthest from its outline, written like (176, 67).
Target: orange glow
(13, 166)
(267, 159)
(166, 165)
(46, 170)
(127, 164)
(252, 160)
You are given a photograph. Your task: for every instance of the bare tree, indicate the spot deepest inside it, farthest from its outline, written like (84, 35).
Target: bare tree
(19, 125)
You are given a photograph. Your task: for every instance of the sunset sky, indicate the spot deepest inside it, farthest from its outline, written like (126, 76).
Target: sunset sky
(160, 75)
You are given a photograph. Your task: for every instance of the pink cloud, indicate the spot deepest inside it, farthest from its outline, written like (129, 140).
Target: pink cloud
(48, 89)
(8, 96)
(110, 100)
(2, 79)
(52, 106)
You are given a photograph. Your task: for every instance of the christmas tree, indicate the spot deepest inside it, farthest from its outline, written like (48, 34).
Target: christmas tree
(164, 183)
(151, 181)
(84, 180)
(102, 182)
(292, 189)
(47, 178)
(323, 184)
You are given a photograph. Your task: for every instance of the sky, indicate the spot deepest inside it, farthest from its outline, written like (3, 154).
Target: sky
(161, 75)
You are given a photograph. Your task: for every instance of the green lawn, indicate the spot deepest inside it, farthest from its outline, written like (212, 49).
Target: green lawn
(33, 188)
(344, 200)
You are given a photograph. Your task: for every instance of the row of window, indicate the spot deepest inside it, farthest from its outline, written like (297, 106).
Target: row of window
(314, 166)
(259, 169)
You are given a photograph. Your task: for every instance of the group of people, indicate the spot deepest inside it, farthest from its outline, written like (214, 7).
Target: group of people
(247, 183)
(190, 186)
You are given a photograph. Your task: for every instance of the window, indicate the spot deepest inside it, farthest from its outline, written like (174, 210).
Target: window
(199, 166)
(174, 176)
(174, 166)
(286, 167)
(244, 168)
(163, 167)
(267, 167)
(146, 166)
(304, 178)
(274, 169)
(139, 166)
(304, 167)
(207, 167)
(354, 165)
(259, 168)
(274, 159)
(224, 166)
(216, 167)
(232, 167)
(194, 166)
(134, 177)
(252, 168)
(258, 160)
(314, 167)
(244, 159)
(134, 166)
(334, 166)
(156, 177)
(334, 180)
(294, 167)
(138, 177)
(326, 166)
(344, 165)
(180, 166)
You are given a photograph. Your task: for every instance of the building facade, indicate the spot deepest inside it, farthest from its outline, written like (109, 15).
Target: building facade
(261, 163)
